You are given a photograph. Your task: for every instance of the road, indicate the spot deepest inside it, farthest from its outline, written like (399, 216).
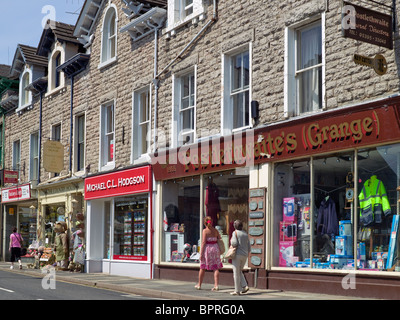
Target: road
(15, 286)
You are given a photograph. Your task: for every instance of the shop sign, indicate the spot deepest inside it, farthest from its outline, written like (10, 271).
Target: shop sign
(118, 183)
(257, 227)
(53, 156)
(366, 25)
(19, 193)
(10, 177)
(326, 132)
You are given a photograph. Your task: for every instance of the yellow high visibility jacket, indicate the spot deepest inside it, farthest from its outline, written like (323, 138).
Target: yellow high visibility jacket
(373, 202)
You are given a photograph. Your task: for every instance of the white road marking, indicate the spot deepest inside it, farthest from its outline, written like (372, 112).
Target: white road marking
(7, 290)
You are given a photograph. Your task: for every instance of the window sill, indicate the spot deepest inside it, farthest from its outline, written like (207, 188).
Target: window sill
(27, 107)
(55, 91)
(107, 63)
(107, 167)
(143, 159)
(194, 18)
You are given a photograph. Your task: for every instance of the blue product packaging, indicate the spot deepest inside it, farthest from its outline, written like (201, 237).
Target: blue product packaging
(361, 254)
(345, 228)
(344, 245)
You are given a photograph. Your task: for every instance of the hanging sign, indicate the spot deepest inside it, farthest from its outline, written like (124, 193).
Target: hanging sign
(378, 63)
(19, 193)
(366, 25)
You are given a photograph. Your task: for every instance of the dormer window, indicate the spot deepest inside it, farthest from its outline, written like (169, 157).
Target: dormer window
(109, 37)
(57, 63)
(183, 11)
(25, 95)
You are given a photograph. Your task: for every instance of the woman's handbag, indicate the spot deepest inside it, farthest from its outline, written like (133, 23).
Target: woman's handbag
(221, 246)
(231, 253)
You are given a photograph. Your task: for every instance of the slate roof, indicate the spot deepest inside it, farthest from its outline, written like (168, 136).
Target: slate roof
(55, 31)
(4, 70)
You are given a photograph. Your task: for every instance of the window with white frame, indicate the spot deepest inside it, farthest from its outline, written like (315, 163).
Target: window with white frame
(181, 11)
(25, 95)
(107, 150)
(16, 159)
(109, 36)
(34, 156)
(141, 122)
(56, 136)
(56, 61)
(236, 109)
(185, 108)
(80, 143)
(304, 69)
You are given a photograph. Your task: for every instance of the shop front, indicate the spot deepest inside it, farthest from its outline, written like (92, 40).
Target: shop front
(59, 200)
(19, 210)
(119, 222)
(331, 206)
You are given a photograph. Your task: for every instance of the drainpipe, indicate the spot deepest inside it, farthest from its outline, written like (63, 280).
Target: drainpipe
(71, 124)
(40, 133)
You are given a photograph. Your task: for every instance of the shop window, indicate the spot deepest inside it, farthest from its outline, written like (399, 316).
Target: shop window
(107, 230)
(130, 228)
(52, 214)
(378, 194)
(225, 200)
(27, 224)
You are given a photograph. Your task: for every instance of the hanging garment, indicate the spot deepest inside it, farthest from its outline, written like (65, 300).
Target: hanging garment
(212, 202)
(327, 221)
(373, 202)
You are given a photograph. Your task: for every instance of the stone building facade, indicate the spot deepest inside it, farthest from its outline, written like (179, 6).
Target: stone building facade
(176, 76)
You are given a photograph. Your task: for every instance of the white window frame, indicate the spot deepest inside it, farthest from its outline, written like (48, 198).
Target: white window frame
(178, 13)
(106, 55)
(178, 131)
(228, 94)
(77, 142)
(291, 72)
(104, 162)
(25, 96)
(16, 156)
(33, 156)
(137, 138)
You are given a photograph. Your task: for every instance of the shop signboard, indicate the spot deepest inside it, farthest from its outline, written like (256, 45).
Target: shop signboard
(324, 132)
(130, 181)
(19, 193)
(257, 228)
(10, 177)
(367, 25)
(53, 156)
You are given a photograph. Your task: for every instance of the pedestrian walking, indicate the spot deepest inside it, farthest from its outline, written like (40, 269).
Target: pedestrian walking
(15, 247)
(240, 240)
(209, 254)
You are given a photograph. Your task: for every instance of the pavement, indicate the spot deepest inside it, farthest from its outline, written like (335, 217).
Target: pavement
(169, 289)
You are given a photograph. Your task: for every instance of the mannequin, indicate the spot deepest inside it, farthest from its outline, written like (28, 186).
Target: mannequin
(61, 246)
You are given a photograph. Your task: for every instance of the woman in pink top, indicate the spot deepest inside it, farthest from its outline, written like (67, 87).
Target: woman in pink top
(15, 248)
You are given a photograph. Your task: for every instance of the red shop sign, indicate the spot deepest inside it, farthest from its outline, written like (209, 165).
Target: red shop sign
(118, 183)
(325, 132)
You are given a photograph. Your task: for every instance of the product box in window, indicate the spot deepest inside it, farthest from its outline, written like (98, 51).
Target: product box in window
(344, 245)
(345, 228)
(287, 231)
(289, 209)
(287, 256)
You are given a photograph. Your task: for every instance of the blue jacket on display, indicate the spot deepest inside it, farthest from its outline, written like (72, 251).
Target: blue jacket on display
(327, 221)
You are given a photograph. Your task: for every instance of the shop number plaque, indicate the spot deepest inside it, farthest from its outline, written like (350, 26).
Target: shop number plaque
(257, 227)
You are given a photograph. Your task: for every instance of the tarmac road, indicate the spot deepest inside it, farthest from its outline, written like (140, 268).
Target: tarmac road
(17, 286)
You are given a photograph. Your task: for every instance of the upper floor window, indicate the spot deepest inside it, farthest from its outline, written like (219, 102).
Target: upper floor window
(25, 94)
(304, 64)
(236, 109)
(107, 148)
(16, 156)
(141, 122)
(80, 143)
(57, 63)
(185, 108)
(34, 157)
(181, 11)
(109, 36)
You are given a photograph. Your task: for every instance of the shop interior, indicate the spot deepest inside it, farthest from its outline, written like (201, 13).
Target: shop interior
(332, 226)
(225, 197)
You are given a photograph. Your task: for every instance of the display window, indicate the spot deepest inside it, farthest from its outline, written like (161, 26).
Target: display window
(130, 228)
(53, 213)
(339, 211)
(223, 196)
